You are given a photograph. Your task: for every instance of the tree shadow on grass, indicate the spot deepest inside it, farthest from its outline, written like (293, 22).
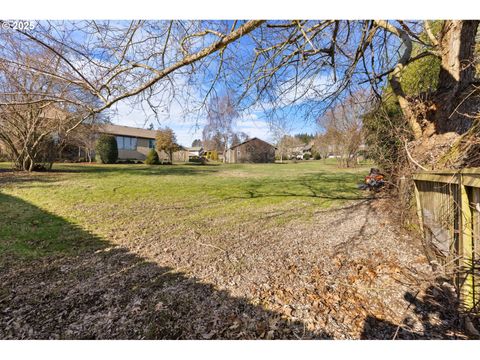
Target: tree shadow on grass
(10, 176)
(130, 169)
(58, 281)
(137, 169)
(321, 185)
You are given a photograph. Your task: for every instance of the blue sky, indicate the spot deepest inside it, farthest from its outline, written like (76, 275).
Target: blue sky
(254, 121)
(189, 127)
(306, 84)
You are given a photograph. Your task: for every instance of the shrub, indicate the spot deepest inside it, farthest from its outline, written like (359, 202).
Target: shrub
(106, 149)
(306, 156)
(152, 158)
(198, 160)
(317, 156)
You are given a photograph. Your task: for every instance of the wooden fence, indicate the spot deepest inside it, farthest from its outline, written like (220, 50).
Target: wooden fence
(448, 206)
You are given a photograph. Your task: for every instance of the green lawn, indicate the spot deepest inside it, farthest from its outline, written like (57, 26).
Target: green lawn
(247, 251)
(80, 207)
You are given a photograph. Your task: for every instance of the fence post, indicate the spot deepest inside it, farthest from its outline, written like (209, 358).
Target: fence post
(419, 207)
(466, 248)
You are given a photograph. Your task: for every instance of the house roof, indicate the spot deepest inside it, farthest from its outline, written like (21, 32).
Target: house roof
(246, 141)
(127, 131)
(195, 148)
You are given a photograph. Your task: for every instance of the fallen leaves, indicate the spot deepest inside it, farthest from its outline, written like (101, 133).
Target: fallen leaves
(339, 276)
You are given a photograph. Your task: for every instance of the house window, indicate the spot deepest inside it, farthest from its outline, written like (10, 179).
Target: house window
(119, 142)
(126, 143)
(151, 144)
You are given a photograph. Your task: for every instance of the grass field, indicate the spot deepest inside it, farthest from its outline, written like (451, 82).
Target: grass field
(40, 212)
(253, 251)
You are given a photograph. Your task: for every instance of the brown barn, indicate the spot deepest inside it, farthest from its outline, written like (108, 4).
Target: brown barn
(253, 150)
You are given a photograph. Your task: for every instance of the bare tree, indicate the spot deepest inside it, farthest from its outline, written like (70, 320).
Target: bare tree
(114, 61)
(326, 143)
(293, 60)
(289, 147)
(343, 128)
(84, 138)
(238, 137)
(110, 62)
(235, 140)
(212, 142)
(33, 125)
(309, 63)
(280, 128)
(221, 118)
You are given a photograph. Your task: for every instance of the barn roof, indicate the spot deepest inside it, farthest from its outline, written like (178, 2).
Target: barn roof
(246, 141)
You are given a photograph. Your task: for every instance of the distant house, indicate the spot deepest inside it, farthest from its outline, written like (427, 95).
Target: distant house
(253, 150)
(185, 154)
(307, 149)
(195, 151)
(133, 143)
(181, 155)
(298, 152)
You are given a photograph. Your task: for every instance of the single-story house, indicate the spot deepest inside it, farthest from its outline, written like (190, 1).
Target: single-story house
(253, 150)
(133, 143)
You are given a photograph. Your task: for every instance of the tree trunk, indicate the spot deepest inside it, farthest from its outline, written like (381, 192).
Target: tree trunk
(405, 105)
(395, 76)
(457, 45)
(456, 50)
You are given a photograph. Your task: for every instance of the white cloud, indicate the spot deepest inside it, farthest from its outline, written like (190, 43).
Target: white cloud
(314, 87)
(187, 126)
(253, 126)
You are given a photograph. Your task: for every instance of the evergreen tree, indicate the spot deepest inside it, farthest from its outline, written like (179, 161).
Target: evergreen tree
(107, 149)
